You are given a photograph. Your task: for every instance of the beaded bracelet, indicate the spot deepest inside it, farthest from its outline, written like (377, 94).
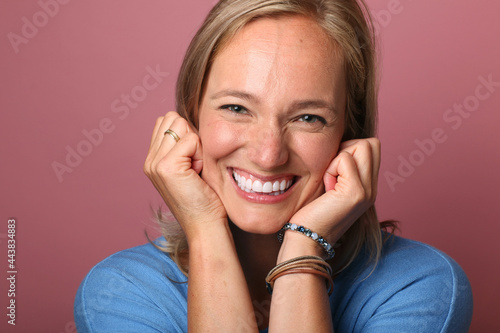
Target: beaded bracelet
(309, 233)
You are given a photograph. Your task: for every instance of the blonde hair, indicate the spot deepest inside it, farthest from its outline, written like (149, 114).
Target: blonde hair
(348, 23)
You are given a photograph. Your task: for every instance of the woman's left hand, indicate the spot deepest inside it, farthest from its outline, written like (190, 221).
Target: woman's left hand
(350, 189)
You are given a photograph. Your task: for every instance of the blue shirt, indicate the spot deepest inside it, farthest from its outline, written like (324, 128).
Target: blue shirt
(413, 288)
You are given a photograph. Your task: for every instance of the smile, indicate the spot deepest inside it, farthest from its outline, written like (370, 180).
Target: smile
(250, 184)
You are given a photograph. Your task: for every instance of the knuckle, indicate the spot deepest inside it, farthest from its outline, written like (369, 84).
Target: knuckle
(345, 154)
(191, 136)
(364, 144)
(370, 196)
(163, 168)
(179, 122)
(375, 142)
(171, 115)
(147, 165)
(159, 120)
(359, 194)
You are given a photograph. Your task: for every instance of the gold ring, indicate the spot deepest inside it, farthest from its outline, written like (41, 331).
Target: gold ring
(172, 134)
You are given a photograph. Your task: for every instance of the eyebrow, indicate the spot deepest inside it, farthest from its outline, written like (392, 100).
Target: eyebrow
(296, 105)
(235, 93)
(314, 104)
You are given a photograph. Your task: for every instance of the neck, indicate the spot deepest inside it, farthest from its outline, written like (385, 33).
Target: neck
(257, 255)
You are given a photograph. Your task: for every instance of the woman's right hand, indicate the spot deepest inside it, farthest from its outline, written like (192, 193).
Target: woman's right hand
(214, 267)
(174, 169)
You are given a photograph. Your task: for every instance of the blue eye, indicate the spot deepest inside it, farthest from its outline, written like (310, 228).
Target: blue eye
(309, 118)
(234, 108)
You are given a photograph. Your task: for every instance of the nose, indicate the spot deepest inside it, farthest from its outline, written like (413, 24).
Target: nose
(267, 147)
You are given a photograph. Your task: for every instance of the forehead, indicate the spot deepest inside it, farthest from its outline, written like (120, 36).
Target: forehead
(293, 33)
(284, 55)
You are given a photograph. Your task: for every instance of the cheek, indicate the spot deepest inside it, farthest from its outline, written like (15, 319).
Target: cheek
(318, 154)
(219, 140)
(317, 157)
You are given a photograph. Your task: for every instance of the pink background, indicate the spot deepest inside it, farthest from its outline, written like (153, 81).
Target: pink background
(69, 75)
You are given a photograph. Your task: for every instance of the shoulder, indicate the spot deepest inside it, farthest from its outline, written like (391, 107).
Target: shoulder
(138, 289)
(413, 288)
(412, 260)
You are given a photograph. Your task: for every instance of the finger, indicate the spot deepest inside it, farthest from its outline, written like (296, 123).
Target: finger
(345, 172)
(166, 162)
(187, 153)
(177, 126)
(362, 153)
(376, 151)
(376, 157)
(161, 122)
(164, 124)
(158, 122)
(374, 145)
(166, 141)
(150, 155)
(174, 171)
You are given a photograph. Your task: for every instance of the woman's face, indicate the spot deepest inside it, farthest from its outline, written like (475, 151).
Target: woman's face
(271, 120)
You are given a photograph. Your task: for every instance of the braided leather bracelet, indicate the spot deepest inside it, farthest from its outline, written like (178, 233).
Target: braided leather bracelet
(304, 264)
(304, 270)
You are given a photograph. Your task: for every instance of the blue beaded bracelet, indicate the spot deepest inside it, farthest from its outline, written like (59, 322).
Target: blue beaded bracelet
(309, 233)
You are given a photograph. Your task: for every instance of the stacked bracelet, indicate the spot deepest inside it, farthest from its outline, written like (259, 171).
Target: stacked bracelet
(305, 264)
(309, 233)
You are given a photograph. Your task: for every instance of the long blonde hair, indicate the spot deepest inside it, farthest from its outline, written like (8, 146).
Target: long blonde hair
(348, 23)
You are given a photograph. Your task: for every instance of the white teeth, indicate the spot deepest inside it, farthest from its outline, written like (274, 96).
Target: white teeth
(257, 186)
(242, 182)
(276, 186)
(267, 188)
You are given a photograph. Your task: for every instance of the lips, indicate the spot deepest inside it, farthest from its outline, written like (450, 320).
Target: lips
(251, 184)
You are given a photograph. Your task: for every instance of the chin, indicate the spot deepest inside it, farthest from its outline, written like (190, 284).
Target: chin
(263, 224)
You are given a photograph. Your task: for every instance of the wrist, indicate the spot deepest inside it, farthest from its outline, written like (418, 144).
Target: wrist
(210, 235)
(310, 234)
(295, 245)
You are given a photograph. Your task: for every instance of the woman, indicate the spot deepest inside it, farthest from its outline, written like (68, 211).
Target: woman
(277, 107)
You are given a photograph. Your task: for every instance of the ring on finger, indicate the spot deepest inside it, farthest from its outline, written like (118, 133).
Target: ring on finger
(172, 134)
